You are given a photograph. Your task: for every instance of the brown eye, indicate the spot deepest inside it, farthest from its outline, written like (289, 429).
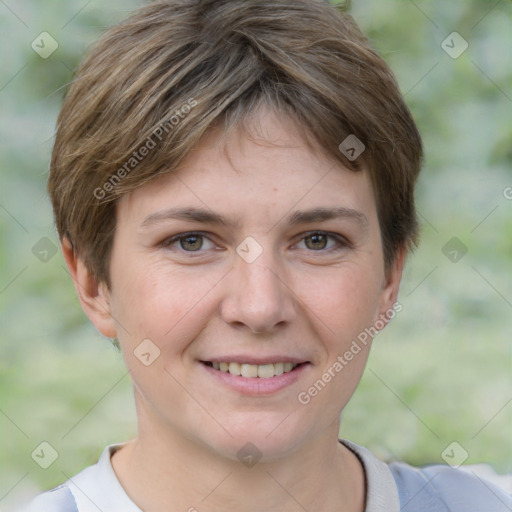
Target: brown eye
(316, 241)
(324, 243)
(191, 242)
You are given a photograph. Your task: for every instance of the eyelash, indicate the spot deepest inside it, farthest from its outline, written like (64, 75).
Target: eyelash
(343, 243)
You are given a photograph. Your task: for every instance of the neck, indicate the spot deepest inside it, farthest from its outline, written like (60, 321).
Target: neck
(167, 471)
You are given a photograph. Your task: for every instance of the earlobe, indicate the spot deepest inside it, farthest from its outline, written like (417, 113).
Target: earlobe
(388, 307)
(94, 297)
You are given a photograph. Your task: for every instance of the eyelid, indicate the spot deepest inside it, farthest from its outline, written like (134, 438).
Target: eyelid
(167, 242)
(342, 241)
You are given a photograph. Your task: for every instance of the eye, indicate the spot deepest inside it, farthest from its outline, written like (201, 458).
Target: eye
(197, 242)
(320, 241)
(189, 242)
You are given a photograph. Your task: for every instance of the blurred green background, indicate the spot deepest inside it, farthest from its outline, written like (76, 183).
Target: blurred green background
(439, 373)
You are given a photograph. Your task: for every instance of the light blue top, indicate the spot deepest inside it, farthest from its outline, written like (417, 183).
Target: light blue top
(396, 487)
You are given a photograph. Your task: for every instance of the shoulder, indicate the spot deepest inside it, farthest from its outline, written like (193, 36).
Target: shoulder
(59, 499)
(443, 488)
(95, 488)
(66, 497)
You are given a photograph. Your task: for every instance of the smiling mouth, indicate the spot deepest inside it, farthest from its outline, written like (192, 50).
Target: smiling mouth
(262, 371)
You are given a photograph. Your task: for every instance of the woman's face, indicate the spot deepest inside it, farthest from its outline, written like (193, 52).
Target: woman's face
(255, 257)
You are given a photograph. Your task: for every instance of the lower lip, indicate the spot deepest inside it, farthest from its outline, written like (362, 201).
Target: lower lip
(256, 386)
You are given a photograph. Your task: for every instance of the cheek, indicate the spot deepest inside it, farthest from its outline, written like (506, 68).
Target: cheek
(342, 309)
(162, 305)
(345, 301)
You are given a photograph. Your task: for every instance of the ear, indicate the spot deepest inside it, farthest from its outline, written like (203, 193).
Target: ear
(94, 297)
(388, 306)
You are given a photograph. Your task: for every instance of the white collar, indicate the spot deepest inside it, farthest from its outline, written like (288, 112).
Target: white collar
(381, 489)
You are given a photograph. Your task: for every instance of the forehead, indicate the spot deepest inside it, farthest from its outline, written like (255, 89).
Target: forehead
(270, 163)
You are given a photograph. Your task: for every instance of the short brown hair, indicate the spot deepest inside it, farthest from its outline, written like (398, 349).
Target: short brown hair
(176, 68)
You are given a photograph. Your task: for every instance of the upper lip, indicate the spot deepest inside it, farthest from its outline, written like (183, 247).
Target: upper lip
(256, 360)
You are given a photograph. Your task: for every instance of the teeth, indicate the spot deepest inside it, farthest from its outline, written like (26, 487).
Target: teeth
(263, 371)
(278, 368)
(234, 368)
(247, 370)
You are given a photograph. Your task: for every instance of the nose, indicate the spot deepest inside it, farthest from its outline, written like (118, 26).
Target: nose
(259, 296)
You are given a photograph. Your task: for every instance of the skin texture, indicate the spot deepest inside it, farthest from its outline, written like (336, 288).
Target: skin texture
(303, 297)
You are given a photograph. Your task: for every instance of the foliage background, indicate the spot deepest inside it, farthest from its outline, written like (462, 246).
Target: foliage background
(439, 373)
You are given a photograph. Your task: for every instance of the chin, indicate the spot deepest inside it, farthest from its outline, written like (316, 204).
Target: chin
(266, 437)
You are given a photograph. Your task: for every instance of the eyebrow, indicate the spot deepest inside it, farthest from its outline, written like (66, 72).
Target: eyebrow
(298, 217)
